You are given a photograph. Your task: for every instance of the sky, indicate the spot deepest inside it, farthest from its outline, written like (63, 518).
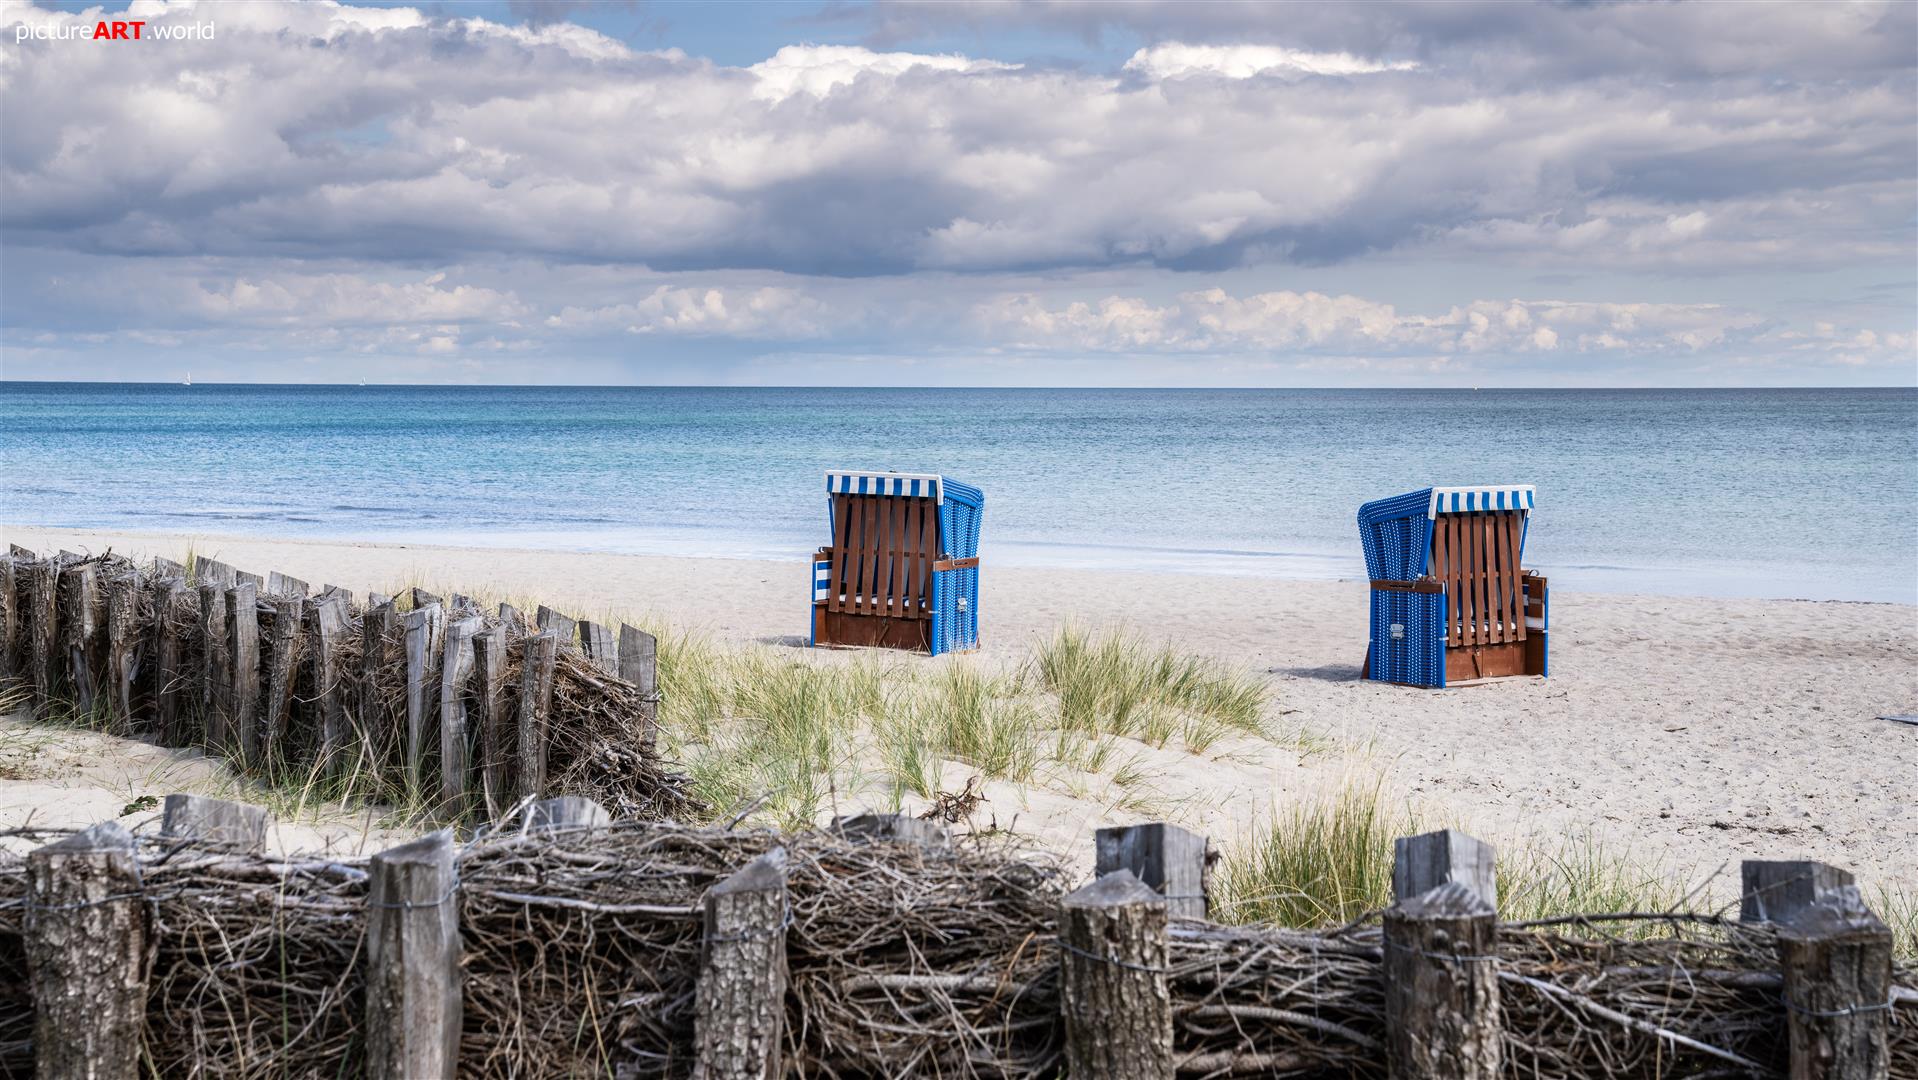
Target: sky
(991, 193)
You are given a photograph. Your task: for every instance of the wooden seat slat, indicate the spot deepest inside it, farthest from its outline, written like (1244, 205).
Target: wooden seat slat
(896, 563)
(1514, 537)
(915, 508)
(836, 583)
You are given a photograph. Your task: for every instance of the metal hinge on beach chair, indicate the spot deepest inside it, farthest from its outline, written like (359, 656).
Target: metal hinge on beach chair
(1449, 600)
(902, 570)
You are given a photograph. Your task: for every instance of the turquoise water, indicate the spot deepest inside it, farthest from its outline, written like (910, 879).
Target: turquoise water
(1801, 493)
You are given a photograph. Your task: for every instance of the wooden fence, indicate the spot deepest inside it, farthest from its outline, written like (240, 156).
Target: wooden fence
(1443, 961)
(455, 703)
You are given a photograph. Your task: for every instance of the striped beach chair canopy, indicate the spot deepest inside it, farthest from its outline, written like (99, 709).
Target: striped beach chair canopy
(912, 485)
(1397, 532)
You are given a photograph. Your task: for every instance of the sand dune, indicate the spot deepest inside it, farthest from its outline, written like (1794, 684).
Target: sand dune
(1693, 732)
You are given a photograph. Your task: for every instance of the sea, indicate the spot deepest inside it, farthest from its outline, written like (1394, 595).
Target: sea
(1803, 493)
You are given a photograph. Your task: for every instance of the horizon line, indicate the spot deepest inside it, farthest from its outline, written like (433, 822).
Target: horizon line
(351, 385)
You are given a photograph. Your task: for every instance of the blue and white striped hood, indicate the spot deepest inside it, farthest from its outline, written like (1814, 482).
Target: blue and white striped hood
(917, 485)
(1459, 500)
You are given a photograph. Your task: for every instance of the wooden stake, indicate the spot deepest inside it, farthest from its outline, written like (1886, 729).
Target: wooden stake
(126, 645)
(557, 623)
(425, 641)
(1441, 986)
(1424, 862)
(512, 619)
(243, 649)
(10, 607)
(1118, 1011)
(596, 641)
(86, 938)
(378, 628)
(456, 747)
(422, 598)
(289, 639)
(740, 1001)
(535, 710)
(43, 633)
(80, 617)
(278, 584)
(1165, 858)
(413, 962)
(215, 821)
(1837, 960)
(329, 629)
(166, 568)
(639, 665)
(1775, 890)
(489, 682)
(216, 669)
(171, 679)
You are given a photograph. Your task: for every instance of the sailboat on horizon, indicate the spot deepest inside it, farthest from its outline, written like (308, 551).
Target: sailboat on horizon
(189, 379)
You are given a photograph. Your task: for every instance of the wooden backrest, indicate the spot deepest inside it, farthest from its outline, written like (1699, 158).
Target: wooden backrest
(882, 555)
(1475, 555)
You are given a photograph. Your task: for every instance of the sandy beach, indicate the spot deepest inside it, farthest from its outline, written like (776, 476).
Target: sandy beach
(1686, 733)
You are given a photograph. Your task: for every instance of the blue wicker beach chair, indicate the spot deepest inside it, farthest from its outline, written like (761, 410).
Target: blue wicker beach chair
(902, 570)
(1449, 601)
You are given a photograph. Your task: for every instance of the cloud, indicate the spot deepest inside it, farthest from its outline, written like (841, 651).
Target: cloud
(330, 131)
(819, 69)
(1175, 59)
(1215, 322)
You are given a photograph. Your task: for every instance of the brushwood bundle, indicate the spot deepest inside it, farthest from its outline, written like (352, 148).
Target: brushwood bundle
(582, 952)
(407, 699)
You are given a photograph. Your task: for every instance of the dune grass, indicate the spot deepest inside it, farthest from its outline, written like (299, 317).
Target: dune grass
(1326, 861)
(790, 734)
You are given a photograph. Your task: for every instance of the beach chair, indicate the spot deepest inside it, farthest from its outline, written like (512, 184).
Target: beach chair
(1449, 600)
(902, 570)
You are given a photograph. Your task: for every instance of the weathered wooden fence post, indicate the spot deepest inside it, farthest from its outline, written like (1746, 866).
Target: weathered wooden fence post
(278, 584)
(535, 709)
(741, 1010)
(243, 652)
(560, 625)
(9, 617)
(1837, 960)
(126, 644)
(425, 639)
(564, 812)
(489, 679)
(86, 955)
(235, 824)
(894, 828)
(289, 640)
(1117, 1006)
(639, 665)
(43, 638)
(1441, 967)
(597, 642)
(216, 669)
(1167, 859)
(169, 647)
(510, 617)
(413, 958)
(456, 748)
(422, 598)
(379, 626)
(1775, 890)
(1424, 862)
(80, 617)
(329, 629)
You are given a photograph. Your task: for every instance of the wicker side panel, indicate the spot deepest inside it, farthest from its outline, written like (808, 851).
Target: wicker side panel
(1408, 637)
